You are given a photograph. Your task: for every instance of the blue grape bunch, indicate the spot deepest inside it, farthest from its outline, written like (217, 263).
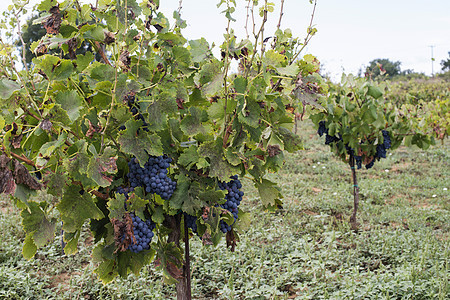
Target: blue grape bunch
(143, 233)
(233, 199)
(142, 230)
(191, 222)
(329, 139)
(153, 176)
(380, 149)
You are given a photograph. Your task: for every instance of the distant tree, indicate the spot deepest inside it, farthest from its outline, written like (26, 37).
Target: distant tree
(383, 67)
(446, 63)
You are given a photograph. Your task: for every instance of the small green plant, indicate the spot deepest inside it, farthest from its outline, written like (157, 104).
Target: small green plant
(359, 126)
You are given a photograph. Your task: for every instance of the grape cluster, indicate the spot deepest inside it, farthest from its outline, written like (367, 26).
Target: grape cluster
(191, 222)
(143, 233)
(233, 199)
(153, 176)
(329, 139)
(380, 149)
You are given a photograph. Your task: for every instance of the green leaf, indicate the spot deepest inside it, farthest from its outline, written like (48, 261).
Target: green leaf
(2, 123)
(48, 148)
(158, 215)
(106, 271)
(71, 240)
(291, 70)
(194, 123)
(180, 194)
(35, 220)
(199, 50)
(29, 247)
(374, 91)
(243, 222)
(75, 208)
(219, 167)
(272, 58)
(63, 70)
(189, 157)
(291, 141)
(71, 102)
(210, 78)
(216, 110)
(7, 88)
(164, 105)
(269, 192)
(83, 61)
(103, 72)
(116, 206)
(141, 144)
(100, 166)
(240, 84)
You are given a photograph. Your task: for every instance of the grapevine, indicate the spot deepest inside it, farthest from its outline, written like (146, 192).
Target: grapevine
(146, 127)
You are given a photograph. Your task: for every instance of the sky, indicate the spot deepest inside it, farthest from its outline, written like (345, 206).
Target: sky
(350, 33)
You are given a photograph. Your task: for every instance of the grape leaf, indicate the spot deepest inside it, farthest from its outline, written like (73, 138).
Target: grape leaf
(219, 167)
(71, 239)
(76, 208)
(194, 123)
(157, 112)
(268, 192)
(291, 141)
(181, 192)
(71, 102)
(141, 144)
(29, 247)
(100, 166)
(199, 50)
(35, 220)
(7, 88)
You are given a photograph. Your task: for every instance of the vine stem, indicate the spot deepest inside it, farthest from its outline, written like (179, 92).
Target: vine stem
(13, 66)
(23, 158)
(308, 36)
(261, 29)
(187, 266)
(19, 33)
(246, 19)
(355, 192)
(281, 14)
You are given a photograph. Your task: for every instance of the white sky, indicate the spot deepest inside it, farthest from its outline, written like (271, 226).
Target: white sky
(350, 32)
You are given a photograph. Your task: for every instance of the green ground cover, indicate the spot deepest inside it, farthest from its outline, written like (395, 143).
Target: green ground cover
(306, 250)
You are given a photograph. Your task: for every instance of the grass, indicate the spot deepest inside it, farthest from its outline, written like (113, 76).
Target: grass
(306, 250)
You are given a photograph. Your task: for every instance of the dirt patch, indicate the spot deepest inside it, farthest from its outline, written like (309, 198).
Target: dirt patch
(316, 190)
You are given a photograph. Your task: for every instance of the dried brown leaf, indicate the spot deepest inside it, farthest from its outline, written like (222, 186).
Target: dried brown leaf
(53, 22)
(23, 176)
(7, 184)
